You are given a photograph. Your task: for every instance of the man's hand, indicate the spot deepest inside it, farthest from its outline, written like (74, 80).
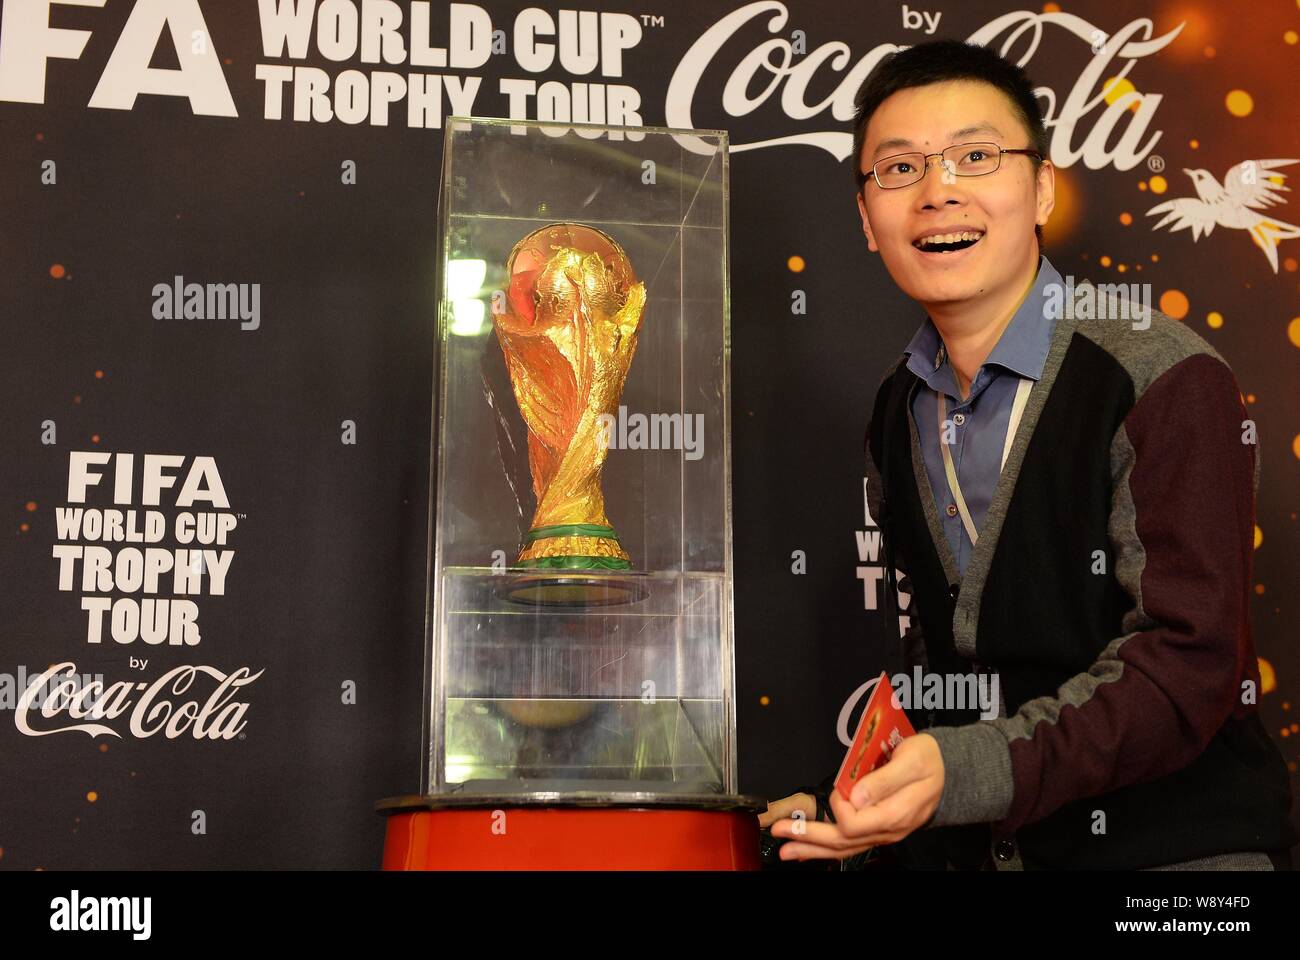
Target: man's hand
(885, 806)
(778, 809)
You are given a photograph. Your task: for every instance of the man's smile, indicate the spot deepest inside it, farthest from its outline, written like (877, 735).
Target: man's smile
(947, 244)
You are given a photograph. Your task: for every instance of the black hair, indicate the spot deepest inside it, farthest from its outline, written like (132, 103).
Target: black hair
(938, 61)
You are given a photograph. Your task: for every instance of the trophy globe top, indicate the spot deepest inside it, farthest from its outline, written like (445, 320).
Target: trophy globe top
(556, 263)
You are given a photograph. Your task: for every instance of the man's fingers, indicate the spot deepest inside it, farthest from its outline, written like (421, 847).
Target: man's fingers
(887, 779)
(786, 806)
(825, 834)
(811, 851)
(884, 822)
(835, 836)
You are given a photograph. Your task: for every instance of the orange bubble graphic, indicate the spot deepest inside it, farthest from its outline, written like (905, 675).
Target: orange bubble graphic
(1159, 184)
(1174, 304)
(1295, 448)
(1197, 30)
(1268, 678)
(765, 699)
(92, 796)
(1113, 88)
(94, 438)
(795, 264)
(1291, 36)
(57, 271)
(1214, 319)
(1066, 212)
(1259, 536)
(30, 506)
(1104, 261)
(1239, 103)
(1289, 264)
(1293, 331)
(1126, 218)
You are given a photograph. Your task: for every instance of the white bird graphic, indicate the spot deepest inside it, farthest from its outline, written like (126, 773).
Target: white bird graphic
(1245, 186)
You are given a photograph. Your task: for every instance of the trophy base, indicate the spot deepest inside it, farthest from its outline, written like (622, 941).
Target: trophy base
(574, 588)
(574, 546)
(587, 830)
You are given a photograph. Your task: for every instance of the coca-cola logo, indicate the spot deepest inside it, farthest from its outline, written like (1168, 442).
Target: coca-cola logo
(782, 71)
(172, 705)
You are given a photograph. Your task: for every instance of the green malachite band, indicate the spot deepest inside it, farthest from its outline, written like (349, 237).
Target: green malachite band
(572, 530)
(578, 563)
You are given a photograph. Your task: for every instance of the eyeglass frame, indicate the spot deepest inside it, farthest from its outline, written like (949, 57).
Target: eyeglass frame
(925, 161)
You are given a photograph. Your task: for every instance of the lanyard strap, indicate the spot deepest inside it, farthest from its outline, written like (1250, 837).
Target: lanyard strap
(1017, 410)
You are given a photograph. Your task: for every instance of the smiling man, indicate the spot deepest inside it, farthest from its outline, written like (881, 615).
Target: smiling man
(1040, 468)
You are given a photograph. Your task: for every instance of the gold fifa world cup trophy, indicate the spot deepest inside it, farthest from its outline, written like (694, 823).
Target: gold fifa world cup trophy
(568, 334)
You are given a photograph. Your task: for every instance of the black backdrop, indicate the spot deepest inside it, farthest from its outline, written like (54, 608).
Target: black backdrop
(324, 593)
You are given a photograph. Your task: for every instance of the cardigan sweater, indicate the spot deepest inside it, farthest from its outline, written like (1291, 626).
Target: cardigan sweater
(1109, 590)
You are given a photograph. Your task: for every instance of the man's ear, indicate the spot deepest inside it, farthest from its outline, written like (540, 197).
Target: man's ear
(1046, 190)
(866, 220)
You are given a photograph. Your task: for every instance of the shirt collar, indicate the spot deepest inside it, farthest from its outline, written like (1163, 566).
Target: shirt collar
(1023, 346)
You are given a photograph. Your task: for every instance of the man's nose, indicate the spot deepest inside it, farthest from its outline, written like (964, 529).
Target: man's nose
(939, 185)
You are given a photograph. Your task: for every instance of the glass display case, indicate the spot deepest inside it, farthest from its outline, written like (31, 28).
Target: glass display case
(580, 611)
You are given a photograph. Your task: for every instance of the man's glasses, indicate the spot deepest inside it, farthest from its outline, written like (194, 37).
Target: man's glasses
(960, 160)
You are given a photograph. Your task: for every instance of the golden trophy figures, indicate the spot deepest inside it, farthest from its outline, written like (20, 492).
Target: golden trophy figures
(568, 335)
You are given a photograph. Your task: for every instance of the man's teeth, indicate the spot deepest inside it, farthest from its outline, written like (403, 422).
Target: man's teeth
(950, 237)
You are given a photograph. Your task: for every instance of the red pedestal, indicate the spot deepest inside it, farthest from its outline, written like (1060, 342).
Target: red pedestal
(425, 836)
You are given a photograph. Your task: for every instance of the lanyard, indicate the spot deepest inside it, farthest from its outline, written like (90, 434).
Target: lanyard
(1017, 410)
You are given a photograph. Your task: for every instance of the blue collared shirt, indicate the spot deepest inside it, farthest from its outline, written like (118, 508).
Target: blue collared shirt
(980, 421)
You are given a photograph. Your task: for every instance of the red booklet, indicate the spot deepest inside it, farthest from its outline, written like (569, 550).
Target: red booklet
(882, 728)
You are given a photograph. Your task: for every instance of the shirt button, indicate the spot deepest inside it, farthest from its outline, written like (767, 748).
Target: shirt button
(952, 510)
(1005, 850)
(959, 418)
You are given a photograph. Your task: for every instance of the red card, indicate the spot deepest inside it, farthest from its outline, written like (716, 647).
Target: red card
(883, 727)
